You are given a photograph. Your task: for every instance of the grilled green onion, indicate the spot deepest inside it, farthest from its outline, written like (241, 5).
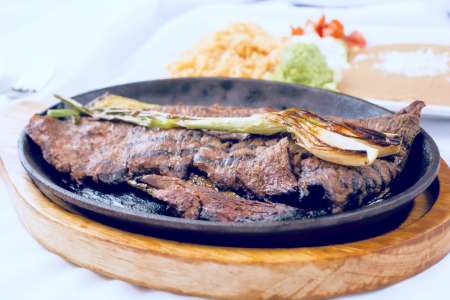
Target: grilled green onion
(62, 113)
(332, 141)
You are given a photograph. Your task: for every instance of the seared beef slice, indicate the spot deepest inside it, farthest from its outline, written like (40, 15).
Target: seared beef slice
(199, 202)
(112, 152)
(257, 166)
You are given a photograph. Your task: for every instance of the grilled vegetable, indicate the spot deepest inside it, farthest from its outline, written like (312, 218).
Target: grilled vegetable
(331, 141)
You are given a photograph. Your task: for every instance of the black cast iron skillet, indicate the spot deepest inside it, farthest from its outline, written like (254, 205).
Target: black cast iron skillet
(122, 207)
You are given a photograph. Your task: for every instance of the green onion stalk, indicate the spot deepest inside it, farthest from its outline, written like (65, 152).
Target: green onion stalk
(331, 141)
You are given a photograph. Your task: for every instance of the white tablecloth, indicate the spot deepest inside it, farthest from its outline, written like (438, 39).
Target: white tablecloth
(85, 45)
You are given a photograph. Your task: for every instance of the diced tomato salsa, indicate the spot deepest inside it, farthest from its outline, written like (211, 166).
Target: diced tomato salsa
(333, 28)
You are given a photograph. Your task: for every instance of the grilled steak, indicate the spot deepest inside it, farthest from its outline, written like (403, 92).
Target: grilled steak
(192, 201)
(256, 167)
(352, 185)
(112, 152)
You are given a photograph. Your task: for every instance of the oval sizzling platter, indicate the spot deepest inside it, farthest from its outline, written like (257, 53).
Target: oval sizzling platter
(124, 208)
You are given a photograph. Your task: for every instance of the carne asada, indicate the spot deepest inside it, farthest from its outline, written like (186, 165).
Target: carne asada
(255, 168)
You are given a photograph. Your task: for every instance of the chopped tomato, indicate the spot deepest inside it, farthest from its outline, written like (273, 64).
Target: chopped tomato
(334, 29)
(356, 39)
(320, 25)
(297, 30)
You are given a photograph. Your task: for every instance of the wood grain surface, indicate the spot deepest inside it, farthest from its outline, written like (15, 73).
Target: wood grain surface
(221, 272)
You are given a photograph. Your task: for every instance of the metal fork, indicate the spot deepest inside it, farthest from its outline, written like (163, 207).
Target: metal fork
(32, 82)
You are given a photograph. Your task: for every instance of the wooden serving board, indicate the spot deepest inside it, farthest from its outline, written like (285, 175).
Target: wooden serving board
(221, 272)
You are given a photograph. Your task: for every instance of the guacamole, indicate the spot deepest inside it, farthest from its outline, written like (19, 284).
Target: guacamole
(304, 63)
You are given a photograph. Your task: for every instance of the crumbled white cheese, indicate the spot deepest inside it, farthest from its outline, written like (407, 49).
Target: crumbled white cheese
(359, 58)
(418, 63)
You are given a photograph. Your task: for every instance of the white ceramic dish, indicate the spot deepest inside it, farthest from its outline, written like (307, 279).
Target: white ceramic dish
(434, 111)
(184, 31)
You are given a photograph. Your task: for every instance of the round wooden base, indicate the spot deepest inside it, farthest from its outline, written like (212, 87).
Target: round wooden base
(221, 272)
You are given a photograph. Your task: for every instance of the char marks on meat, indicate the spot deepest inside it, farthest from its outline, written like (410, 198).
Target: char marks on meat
(345, 184)
(193, 201)
(259, 166)
(112, 152)
(253, 166)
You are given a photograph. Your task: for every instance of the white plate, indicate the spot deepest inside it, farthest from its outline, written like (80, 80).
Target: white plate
(434, 111)
(184, 31)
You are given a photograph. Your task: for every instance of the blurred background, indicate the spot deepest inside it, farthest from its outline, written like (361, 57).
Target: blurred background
(73, 46)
